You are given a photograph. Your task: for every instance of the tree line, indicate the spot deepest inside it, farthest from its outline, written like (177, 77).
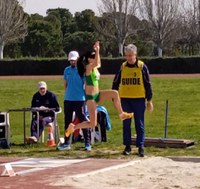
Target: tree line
(167, 27)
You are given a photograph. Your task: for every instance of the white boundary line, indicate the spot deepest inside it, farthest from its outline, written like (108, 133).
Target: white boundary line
(29, 171)
(38, 164)
(114, 167)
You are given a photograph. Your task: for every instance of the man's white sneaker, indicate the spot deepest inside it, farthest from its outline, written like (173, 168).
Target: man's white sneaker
(31, 140)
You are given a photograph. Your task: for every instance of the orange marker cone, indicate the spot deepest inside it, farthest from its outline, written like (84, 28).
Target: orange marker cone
(50, 140)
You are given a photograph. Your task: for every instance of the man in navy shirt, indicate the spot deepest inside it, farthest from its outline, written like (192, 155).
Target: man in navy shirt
(134, 86)
(42, 99)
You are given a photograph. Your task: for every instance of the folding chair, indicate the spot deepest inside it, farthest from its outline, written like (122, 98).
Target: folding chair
(55, 128)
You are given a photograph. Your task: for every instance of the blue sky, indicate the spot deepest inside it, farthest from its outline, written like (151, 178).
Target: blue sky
(40, 6)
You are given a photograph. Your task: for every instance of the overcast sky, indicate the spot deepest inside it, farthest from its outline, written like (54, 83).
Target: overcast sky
(41, 6)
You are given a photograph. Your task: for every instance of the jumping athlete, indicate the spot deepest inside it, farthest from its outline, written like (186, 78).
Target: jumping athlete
(87, 65)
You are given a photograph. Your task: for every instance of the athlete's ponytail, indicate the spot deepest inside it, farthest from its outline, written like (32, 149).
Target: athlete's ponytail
(81, 65)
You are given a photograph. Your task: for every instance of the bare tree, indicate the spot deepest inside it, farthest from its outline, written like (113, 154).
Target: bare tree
(13, 23)
(191, 18)
(115, 20)
(161, 16)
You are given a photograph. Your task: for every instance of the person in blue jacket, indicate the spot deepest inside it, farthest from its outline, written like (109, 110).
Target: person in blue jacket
(74, 100)
(134, 86)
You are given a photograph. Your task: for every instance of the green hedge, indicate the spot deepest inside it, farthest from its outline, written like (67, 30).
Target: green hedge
(174, 65)
(109, 66)
(157, 65)
(33, 67)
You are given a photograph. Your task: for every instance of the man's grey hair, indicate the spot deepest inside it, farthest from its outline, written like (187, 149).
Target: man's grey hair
(130, 47)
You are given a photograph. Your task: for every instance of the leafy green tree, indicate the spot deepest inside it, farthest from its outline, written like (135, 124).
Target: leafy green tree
(80, 41)
(13, 50)
(56, 39)
(44, 37)
(85, 20)
(65, 18)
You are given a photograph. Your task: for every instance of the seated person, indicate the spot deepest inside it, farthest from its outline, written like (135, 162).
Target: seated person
(42, 99)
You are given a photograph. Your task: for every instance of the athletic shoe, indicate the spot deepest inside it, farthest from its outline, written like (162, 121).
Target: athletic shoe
(31, 140)
(141, 151)
(125, 115)
(63, 147)
(69, 130)
(127, 150)
(88, 147)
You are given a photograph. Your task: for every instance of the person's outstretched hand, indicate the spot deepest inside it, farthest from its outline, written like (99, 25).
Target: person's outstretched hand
(96, 46)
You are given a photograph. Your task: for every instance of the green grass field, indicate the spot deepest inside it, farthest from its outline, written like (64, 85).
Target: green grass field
(183, 118)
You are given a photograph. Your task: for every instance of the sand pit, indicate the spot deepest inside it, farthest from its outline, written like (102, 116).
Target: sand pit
(143, 173)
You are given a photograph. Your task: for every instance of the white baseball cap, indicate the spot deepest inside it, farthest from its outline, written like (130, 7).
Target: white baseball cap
(42, 84)
(73, 55)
